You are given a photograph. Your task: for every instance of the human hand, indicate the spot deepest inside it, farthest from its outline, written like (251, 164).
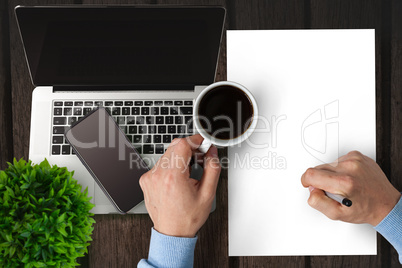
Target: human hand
(358, 178)
(177, 204)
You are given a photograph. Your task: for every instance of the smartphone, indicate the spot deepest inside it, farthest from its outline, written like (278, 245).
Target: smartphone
(109, 157)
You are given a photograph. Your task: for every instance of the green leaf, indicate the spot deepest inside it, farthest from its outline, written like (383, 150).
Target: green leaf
(62, 231)
(10, 191)
(12, 250)
(25, 234)
(25, 259)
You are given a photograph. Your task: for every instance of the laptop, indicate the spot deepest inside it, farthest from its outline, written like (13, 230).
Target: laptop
(146, 65)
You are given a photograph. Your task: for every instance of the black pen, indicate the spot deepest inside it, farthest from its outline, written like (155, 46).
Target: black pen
(339, 198)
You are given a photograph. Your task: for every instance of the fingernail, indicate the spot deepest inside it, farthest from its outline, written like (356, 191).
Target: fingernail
(214, 151)
(311, 188)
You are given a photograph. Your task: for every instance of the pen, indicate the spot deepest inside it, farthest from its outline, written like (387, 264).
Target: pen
(339, 198)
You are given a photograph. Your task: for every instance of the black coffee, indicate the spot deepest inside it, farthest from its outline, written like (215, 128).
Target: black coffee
(225, 112)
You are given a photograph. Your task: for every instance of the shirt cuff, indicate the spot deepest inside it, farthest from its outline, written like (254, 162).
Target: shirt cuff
(391, 228)
(171, 251)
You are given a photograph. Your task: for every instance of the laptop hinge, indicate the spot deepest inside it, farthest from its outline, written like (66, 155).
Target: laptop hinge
(86, 88)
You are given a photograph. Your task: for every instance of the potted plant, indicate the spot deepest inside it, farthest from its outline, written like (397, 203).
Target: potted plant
(45, 219)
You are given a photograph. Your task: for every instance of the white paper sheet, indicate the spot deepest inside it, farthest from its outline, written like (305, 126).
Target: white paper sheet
(316, 95)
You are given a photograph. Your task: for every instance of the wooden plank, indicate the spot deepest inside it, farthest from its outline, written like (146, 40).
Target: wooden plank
(371, 14)
(6, 138)
(254, 15)
(396, 106)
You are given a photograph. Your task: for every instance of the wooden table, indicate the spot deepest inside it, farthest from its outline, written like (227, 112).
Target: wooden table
(121, 241)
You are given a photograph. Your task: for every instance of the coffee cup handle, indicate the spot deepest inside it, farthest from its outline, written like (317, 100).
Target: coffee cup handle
(204, 147)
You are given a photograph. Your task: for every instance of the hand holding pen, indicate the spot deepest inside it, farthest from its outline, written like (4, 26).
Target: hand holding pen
(355, 179)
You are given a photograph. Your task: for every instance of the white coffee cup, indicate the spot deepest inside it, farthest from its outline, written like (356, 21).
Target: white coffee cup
(208, 139)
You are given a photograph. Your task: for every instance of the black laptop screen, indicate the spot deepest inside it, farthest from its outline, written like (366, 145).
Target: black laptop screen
(121, 45)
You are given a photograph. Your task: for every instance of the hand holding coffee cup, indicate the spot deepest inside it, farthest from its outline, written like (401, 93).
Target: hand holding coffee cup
(225, 114)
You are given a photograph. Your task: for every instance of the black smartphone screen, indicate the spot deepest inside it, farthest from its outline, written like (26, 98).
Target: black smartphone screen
(109, 157)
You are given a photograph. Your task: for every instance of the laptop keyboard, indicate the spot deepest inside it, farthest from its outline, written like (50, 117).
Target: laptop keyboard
(150, 125)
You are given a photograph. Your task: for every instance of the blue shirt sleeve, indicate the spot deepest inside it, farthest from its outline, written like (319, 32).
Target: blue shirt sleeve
(169, 251)
(391, 228)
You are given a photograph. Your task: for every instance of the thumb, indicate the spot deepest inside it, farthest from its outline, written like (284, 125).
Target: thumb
(212, 170)
(319, 201)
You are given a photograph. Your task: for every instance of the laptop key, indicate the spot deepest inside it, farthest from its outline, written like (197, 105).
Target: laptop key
(59, 130)
(169, 120)
(140, 120)
(138, 103)
(162, 129)
(178, 120)
(148, 103)
(135, 111)
(56, 149)
(168, 102)
(150, 120)
(159, 149)
(174, 110)
(151, 129)
(155, 110)
(98, 103)
(116, 111)
(87, 111)
(137, 138)
(78, 103)
(167, 138)
(58, 111)
(147, 139)
(68, 111)
(178, 103)
(77, 111)
(118, 103)
(71, 120)
(132, 129)
(58, 139)
(128, 103)
(181, 129)
(108, 103)
(157, 138)
(121, 120)
(159, 120)
(68, 103)
(126, 111)
(158, 103)
(186, 110)
(88, 103)
(148, 149)
(65, 149)
(124, 129)
(130, 120)
(171, 129)
(59, 120)
(188, 102)
(142, 129)
(58, 103)
(164, 110)
(188, 119)
(177, 136)
(145, 111)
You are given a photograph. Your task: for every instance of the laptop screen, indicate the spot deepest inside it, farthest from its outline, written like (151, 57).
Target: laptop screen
(124, 46)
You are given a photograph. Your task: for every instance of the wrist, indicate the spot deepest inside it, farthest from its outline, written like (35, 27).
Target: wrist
(175, 231)
(385, 208)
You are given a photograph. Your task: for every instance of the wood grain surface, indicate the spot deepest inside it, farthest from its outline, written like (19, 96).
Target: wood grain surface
(121, 241)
